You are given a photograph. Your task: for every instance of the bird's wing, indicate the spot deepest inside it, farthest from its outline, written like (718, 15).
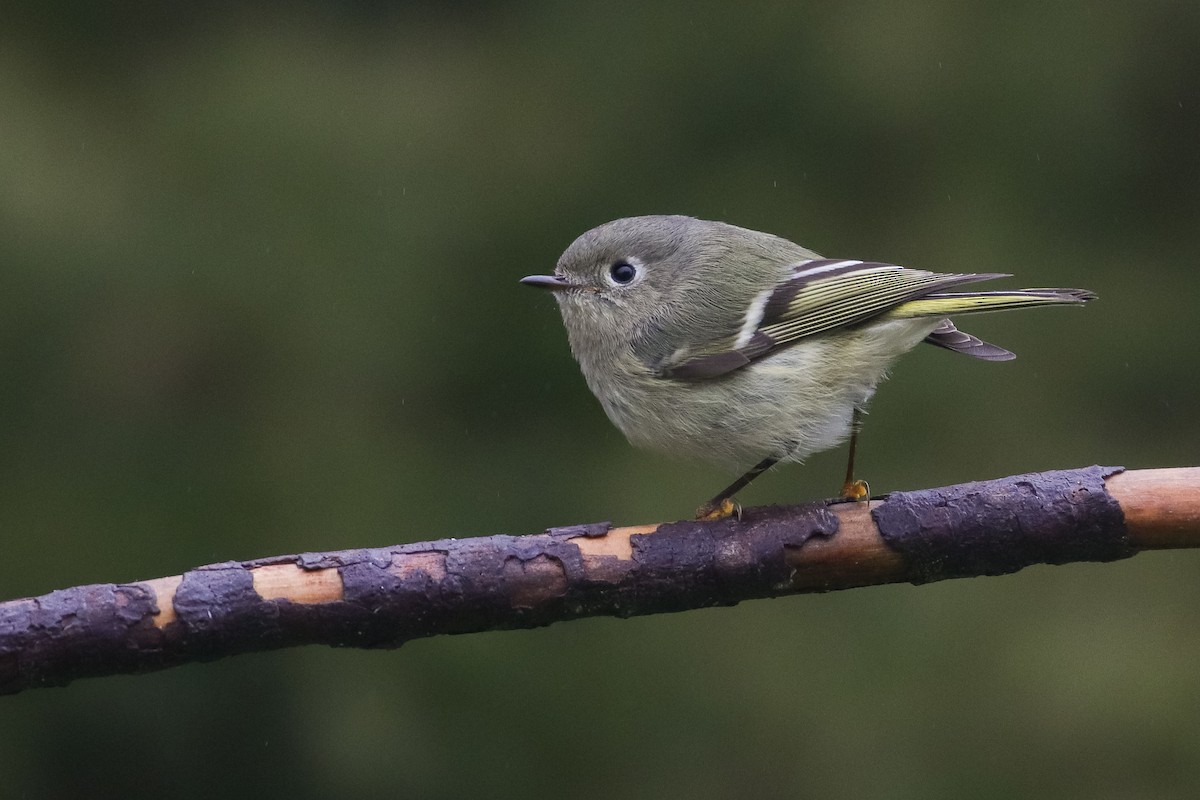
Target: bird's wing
(818, 296)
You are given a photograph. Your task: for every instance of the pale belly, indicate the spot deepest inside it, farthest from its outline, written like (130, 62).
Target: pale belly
(787, 406)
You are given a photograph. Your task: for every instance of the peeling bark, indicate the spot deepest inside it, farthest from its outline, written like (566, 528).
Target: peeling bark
(383, 597)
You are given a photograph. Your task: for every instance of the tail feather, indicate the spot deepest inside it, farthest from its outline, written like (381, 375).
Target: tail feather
(944, 303)
(947, 303)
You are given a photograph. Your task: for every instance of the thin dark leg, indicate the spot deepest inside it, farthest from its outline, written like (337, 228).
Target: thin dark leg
(853, 489)
(741, 483)
(723, 505)
(855, 427)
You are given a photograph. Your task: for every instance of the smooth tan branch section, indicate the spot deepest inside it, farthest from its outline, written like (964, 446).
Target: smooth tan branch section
(164, 598)
(855, 556)
(614, 544)
(1162, 506)
(297, 585)
(271, 582)
(610, 557)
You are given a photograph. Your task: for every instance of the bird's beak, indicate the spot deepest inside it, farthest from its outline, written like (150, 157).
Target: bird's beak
(551, 282)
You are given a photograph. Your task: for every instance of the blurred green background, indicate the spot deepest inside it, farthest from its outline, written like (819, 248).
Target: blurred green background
(258, 295)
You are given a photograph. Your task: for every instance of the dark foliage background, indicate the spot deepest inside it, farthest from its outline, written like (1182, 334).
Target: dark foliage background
(258, 270)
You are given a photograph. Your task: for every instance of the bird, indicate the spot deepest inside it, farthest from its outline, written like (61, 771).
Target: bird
(712, 341)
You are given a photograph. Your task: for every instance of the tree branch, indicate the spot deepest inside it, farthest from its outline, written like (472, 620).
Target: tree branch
(384, 597)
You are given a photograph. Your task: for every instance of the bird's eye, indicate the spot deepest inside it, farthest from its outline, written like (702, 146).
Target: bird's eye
(622, 272)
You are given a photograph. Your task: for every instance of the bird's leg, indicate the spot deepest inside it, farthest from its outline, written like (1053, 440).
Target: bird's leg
(723, 505)
(854, 489)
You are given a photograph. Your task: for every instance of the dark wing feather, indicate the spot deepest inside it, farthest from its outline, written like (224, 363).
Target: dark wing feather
(709, 366)
(951, 338)
(815, 302)
(820, 295)
(714, 365)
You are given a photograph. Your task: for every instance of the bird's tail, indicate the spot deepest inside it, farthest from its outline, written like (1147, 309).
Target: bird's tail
(946, 304)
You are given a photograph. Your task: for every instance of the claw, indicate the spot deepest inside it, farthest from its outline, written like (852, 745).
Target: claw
(724, 510)
(856, 490)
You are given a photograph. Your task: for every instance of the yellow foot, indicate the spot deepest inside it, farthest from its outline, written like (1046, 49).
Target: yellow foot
(724, 510)
(856, 490)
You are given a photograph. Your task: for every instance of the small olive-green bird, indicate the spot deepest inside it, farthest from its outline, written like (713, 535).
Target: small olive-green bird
(708, 340)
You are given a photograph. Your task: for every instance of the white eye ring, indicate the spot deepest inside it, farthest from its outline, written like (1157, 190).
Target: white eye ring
(623, 272)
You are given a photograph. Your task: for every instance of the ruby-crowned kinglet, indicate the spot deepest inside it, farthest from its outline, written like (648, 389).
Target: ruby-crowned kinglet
(704, 339)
